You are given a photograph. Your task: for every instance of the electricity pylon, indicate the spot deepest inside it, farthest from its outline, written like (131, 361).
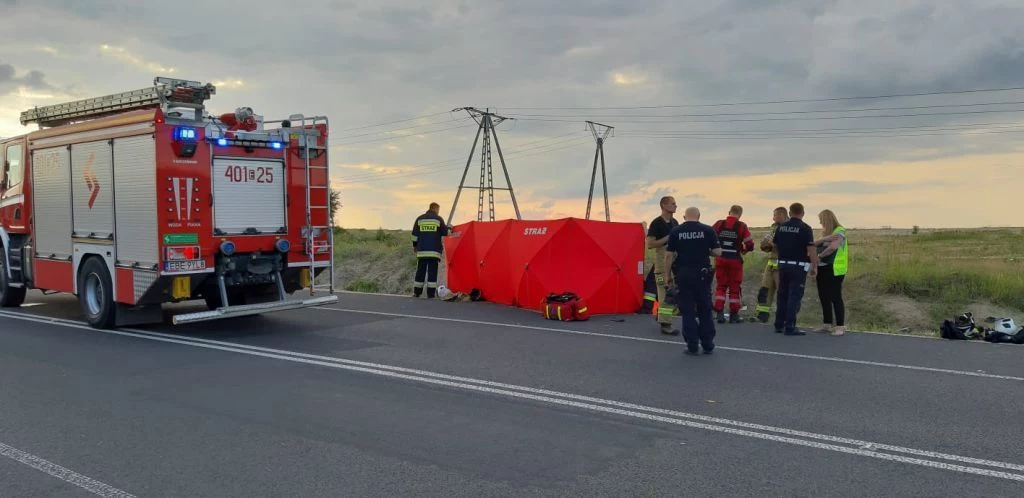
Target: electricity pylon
(599, 153)
(487, 121)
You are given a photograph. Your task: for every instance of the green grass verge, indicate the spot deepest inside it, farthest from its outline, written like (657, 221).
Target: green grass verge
(899, 281)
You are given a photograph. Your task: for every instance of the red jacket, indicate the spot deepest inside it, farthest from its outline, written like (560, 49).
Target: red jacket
(745, 241)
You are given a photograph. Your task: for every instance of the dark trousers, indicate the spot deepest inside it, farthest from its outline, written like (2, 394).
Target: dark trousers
(792, 280)
(694, 300)
(426, 275)
(830, 292)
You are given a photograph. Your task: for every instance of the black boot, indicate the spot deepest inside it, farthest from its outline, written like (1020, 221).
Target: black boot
(720, 317)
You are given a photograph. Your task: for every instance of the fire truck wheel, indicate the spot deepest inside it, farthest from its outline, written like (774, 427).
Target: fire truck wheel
(96, 293)
(10, 297)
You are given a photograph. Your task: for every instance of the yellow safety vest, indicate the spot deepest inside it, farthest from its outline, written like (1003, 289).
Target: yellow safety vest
(842, 262)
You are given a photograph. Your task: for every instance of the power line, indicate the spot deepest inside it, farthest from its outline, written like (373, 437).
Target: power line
(766, 102)
(831, 137)
(718, 104)
(809, 111)
(530, 151)
(913, 127)
(345, 139)
(575, 138)
(517, 149)
(556, 149)
(812, 118)
(405, 135)
(386, 177)
(962, 131)
(935, 106)
(818, 133)
(392, 130)
(546, 139)
(396, 121)
(719, 136)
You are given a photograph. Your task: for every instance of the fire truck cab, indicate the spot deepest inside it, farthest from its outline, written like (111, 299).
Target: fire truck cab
(141, 198)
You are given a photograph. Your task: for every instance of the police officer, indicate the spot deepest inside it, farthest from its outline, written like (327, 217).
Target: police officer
(794, 241)
(427, 233)
(690, 247)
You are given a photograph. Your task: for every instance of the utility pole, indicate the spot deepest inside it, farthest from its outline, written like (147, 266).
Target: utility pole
(600, 137)
(487, 121)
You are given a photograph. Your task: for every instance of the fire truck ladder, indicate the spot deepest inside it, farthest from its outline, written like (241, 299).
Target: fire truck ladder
(310, 144)
(182, 93)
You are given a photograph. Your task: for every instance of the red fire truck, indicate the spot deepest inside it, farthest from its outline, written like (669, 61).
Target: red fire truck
(141, 198)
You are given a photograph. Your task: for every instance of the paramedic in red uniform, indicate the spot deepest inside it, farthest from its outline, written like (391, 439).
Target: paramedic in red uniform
(736, 241)
(427, 236)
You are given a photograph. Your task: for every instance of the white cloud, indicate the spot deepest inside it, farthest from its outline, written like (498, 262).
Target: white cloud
(229, 83)
(124, 55)
(628, 78)
(584, 51)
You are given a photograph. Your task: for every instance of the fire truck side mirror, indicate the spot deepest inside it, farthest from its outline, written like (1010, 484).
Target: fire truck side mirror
(3, 176)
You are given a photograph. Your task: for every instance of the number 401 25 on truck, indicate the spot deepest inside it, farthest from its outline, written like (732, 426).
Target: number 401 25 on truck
(141, 198)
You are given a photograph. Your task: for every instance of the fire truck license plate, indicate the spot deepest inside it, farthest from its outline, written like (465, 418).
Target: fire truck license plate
(180, 266)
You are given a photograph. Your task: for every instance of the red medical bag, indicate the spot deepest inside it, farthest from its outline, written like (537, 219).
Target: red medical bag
(564, 307)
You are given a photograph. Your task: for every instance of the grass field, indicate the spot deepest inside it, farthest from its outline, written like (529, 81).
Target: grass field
(899, 281)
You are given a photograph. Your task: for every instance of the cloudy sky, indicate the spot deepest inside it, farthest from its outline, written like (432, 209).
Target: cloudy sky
(692, 88)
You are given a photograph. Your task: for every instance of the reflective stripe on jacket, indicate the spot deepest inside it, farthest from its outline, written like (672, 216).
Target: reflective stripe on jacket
(735, 238)
(427, 234)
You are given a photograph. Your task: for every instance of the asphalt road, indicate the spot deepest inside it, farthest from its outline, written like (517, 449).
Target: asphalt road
(386, 396)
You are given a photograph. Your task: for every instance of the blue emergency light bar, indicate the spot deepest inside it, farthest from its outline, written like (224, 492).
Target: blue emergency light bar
(185, 134)
(263, 144)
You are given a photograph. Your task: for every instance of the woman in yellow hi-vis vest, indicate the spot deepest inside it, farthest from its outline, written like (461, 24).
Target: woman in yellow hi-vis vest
(833, 264)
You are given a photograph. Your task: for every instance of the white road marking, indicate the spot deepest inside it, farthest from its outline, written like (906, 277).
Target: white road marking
(757, 431)
(91, 485)
(679, 343)
(620, 404)
(384, 294)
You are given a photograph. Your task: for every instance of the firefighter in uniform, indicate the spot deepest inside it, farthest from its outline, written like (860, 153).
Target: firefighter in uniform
(770, 276)
(657, 238)
(690, 247)
(798, 257)
(427, 235)
(736, 241)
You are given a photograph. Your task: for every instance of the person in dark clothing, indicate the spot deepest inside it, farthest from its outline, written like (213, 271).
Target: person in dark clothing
(657, 237)
(427, 242)
(794, 241)
(690, 247)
